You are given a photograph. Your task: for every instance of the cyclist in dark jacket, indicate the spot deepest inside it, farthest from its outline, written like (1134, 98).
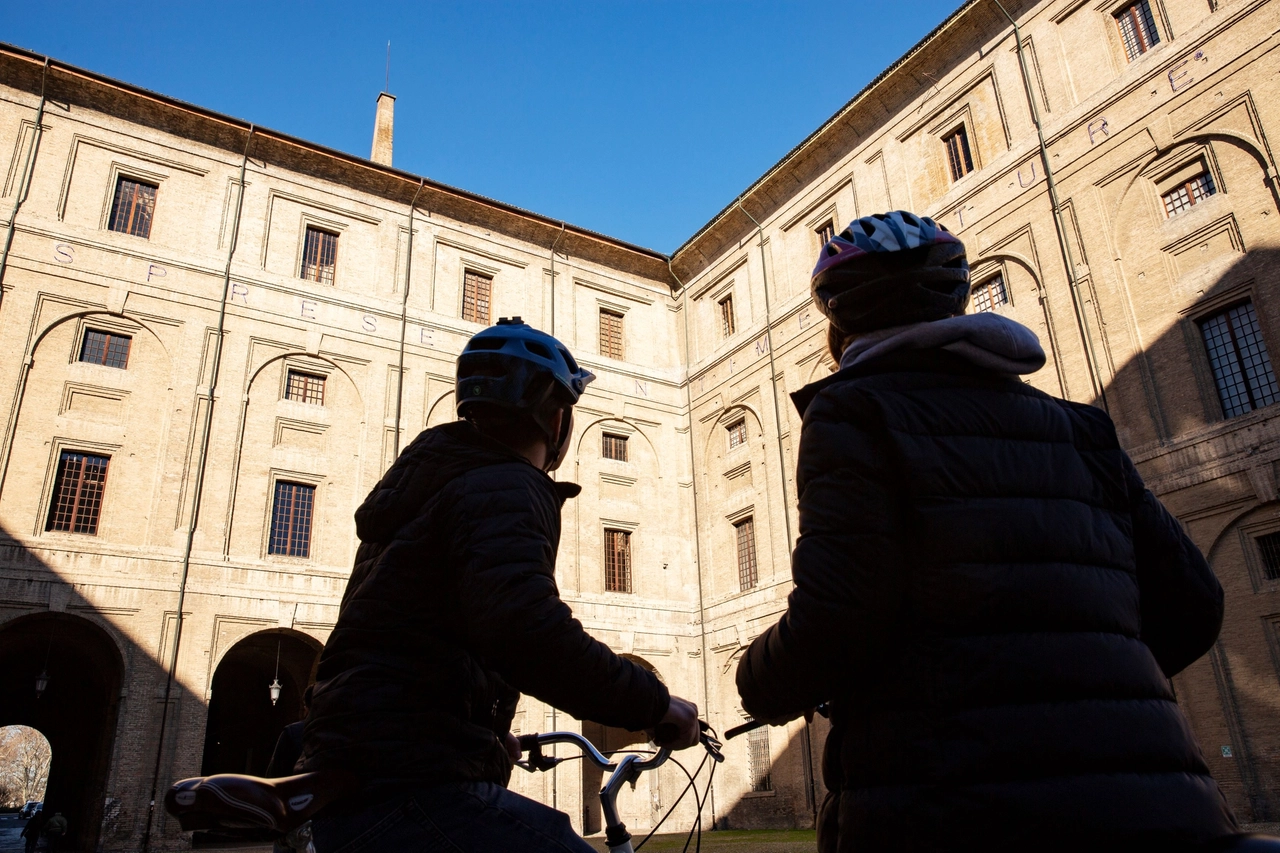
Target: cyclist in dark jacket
(452, 611)
(985, 591)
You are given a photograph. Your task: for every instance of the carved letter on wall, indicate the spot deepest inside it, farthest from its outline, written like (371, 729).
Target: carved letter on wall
(804, 318)
(62, 253)
(308, 310)
(241, 290)
(157, 271)
(1098, 126)
(1033, 177)
(762, 345)
(1176, 75)
(426, 337)
(642, 387)
(370, 323)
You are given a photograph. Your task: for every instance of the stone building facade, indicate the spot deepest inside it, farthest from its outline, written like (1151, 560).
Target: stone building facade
(217, 337)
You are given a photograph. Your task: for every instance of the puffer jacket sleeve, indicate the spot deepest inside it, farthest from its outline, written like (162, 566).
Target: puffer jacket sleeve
(504, 521)
(847, 568)
(1181, 599)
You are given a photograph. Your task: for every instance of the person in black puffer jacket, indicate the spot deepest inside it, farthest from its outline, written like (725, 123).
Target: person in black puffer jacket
(452, 611)
(985, 592)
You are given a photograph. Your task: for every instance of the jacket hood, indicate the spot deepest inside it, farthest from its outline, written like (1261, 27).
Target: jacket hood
(985, 340)
(435, 458)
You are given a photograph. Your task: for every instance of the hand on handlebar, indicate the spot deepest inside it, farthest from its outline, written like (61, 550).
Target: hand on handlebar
(678, 728)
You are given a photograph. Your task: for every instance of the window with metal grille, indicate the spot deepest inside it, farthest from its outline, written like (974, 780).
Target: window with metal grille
(958, 155)
(477, 288)
(105, 348)
(1189, 193)
(727, 325)
(77, 492)
(745, 532)
(737, 433)
(1238, 356)
(1137, 29)
(989, 294)
(291, 515)
(319, 255)
(1269, 547)
(613, 447)
(304, 387)
(758, 761)
(826, 232)
(610, 334)
(133, 207)
(617, 561)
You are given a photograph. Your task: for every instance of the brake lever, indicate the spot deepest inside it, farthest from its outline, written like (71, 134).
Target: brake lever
(537, 760)
(710, 742)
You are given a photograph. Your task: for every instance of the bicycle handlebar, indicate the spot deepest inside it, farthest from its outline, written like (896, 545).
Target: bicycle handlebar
(537, 761)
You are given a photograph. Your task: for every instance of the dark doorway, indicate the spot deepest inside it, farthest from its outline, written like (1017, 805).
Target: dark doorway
(81, 671)
(607, 739)
(243, 724)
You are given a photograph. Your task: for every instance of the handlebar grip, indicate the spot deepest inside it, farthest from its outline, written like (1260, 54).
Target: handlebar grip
(528, 742)
(743, 729)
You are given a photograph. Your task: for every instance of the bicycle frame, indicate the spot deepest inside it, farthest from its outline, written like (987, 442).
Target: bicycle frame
(626, 770)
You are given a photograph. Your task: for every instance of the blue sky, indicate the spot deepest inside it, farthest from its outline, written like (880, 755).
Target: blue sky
(637, 119)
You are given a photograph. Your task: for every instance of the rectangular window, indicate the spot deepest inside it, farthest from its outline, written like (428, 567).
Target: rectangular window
(1269, 547)
(737, 433)
(617, 561)
(1137, 29)
(958, 155)
(291, 519)
(1238, 356)
(745, 531)
(610, 334)
(1187, 194)
(727, 325)
(105, 348)
(319, 255)
(476, 291)
(613, 447)
(77, 492)
(826, 232)
(989, 294)
(133, 207)
(758, 761)
(304, 388)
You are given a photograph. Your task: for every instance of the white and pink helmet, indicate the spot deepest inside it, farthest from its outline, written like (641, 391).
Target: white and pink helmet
(889, 269)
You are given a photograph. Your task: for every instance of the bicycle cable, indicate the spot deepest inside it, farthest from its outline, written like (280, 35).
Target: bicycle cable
(697, 800)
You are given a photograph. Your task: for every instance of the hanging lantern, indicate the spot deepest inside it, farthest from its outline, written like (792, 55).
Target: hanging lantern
(274, 687)
(42, 682)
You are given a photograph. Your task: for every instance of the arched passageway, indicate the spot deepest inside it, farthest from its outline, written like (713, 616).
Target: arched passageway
(638, 809)
(243, 723)
(79, 668)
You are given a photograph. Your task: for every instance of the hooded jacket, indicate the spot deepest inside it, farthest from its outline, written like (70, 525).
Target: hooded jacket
(451, 612)
(993, 603)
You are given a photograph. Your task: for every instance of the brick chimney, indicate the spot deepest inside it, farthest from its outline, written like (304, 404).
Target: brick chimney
(382, 129)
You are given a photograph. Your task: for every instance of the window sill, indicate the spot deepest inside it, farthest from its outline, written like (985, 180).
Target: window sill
(756, 795)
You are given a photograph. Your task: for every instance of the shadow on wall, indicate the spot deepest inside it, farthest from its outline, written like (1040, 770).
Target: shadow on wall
(768, 794)
(1203, 394)
(103, 695)
(48, 634)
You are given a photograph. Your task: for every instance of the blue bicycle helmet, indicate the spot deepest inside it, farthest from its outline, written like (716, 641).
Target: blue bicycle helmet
(514, 366)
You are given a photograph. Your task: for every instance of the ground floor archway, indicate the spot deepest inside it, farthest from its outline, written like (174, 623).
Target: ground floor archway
(638, 809)
(243, 723)
(62, 676)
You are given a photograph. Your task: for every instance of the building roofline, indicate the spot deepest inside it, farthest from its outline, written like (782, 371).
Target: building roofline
(411, 178)
(848, 107)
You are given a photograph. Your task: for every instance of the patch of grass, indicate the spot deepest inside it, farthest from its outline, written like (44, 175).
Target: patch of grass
(737, 840)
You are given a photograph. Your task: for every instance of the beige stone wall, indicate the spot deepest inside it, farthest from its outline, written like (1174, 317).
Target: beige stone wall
(1118, 134)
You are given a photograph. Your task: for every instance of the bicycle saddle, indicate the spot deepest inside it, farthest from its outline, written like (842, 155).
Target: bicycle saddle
(233, 802)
